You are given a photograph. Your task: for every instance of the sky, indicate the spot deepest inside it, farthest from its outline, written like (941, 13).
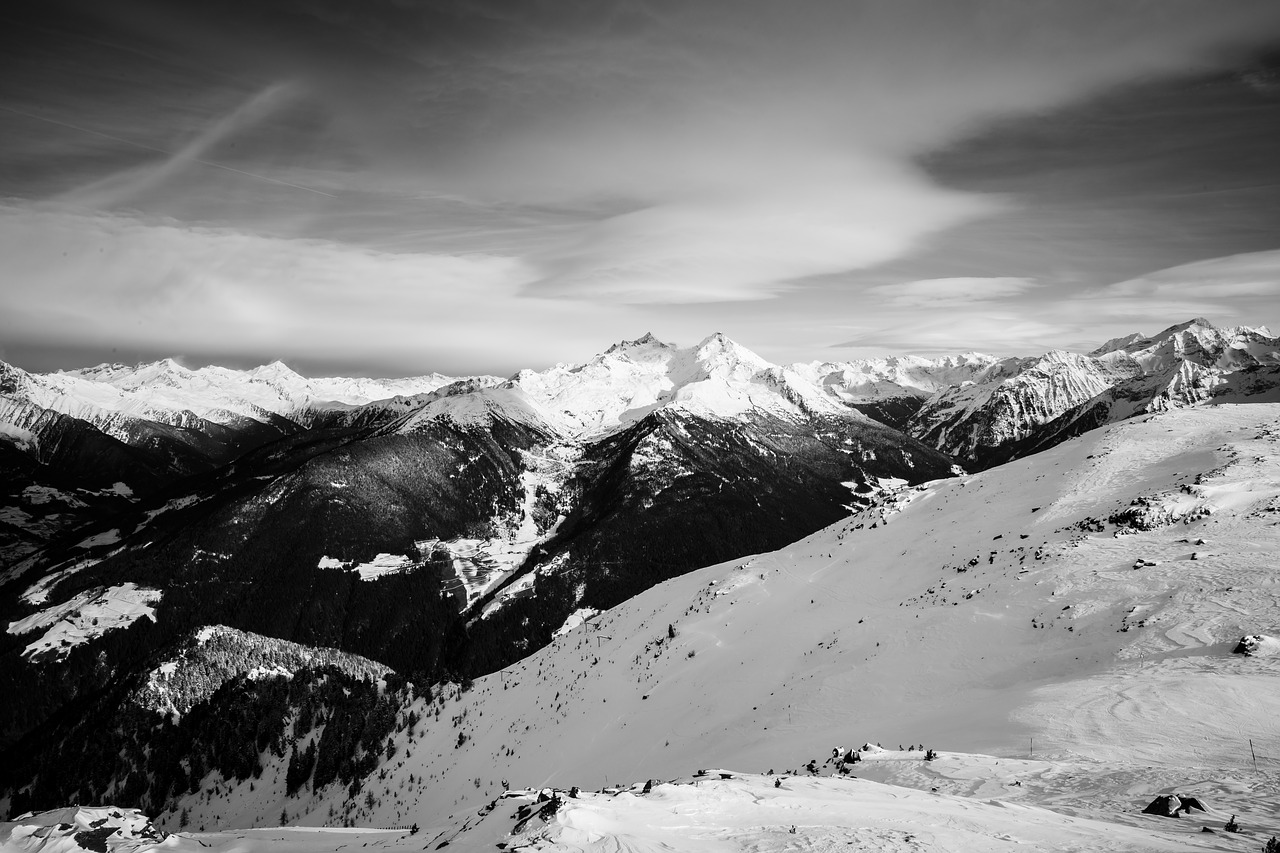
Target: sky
(396, 187)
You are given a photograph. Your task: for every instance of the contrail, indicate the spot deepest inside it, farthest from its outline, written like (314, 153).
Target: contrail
(169, 154)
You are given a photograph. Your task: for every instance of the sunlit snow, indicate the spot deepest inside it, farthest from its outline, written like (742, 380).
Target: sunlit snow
(86, 616)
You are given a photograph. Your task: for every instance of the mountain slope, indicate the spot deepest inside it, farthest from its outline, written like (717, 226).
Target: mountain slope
(1012, 405)
(969, 615)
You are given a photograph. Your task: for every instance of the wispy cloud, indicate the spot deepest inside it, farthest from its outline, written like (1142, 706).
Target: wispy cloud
(760, 164)
(1233, 290)
(754, 148)
(123, 187)
(949, 292)
(86, 280)
(1240, 289)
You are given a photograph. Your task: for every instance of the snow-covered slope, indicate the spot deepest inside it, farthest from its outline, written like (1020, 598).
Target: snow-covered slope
(74, 829)
(719, 812)
(1088, 597)
(1009, 408)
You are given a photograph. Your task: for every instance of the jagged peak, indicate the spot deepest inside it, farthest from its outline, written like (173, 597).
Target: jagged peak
(275, 368)
(645, 340)
(1194, 323)
(163, 366)
(472, 385)
(718, 342)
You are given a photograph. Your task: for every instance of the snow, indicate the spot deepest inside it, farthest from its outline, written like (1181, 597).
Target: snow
(25, 439)
(477, 408)
(73, 829)
(383, 565)
(576, 619)
(38, 592)
(110, 537)
(169, 506)
(481, 565)
(84, 617)
(13, 515)
(721, 811)
(1258, 645)
(40, 495)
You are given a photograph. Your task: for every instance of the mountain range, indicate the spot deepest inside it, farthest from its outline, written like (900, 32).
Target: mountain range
(525, 558)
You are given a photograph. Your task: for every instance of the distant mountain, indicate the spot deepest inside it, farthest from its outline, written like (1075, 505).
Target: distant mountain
(1020, 405)
(80, 445)
(892, 389)
(718, 378)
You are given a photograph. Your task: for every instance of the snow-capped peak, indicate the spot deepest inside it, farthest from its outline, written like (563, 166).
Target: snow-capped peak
(725, 358)
(276, 370)
(718, 377)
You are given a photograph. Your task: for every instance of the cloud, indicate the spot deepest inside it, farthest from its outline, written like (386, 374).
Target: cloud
(718, 245)
(101, 280)
(1231, 290)
(948, 292)
(1251, 274)
(123, 187)
(654, 153)
(548, 171)
(1241, 289)
(750, 147)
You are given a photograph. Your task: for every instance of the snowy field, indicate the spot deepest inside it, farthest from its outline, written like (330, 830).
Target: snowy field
(85, 616)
